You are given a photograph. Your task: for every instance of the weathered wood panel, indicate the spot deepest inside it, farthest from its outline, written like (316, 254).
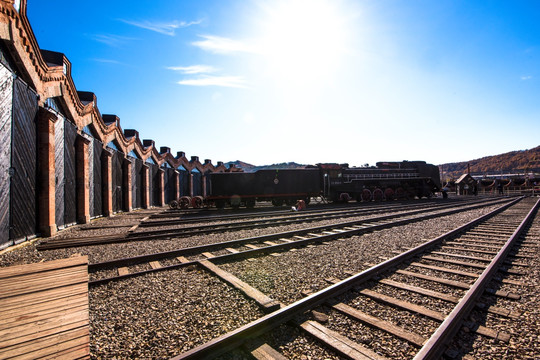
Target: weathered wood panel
(91, 177)
(59, 170)
(48, 316)
(23, 161)
(151, 172)
(155, 185)
(184, 182)
(6, 103)
(136, 183)
(169, 176)
(208, 183)
(117, 176)
(70, 175)
(96, 208)
(197, 183)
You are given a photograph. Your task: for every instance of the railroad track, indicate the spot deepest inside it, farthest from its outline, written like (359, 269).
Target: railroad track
(449, 273)
(267, 244)
(156, 234)
(171, 219)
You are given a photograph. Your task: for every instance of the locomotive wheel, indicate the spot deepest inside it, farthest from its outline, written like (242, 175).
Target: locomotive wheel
(250, 203)
(173, 204)
(366, 195)
(197, 202)
(389, 194)
(184, 202)
(277, 202)
(378, 195)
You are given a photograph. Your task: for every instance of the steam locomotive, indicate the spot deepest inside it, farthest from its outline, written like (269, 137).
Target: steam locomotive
(335, 182)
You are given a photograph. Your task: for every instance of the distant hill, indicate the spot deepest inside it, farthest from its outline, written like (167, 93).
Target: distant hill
(514, 162)
(252, 168)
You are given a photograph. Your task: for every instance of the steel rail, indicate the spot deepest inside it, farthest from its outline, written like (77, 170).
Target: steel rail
(205, 229)
(436, 345)
(188, 231)
(166, 234)
(268, 322)
(287, 213)
(252, 252)
(294, 218)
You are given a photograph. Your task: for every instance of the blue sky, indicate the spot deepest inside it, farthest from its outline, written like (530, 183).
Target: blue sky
(309, 80)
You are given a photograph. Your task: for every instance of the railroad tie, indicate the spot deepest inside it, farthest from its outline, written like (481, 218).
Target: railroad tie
(134, 227)
(264, 352)
(453, 283)
(182, 259)
(386, 326)
(339, 343)
(482, 330)
(263, 300)
(445, 270)
(123, 271)
(411, 337)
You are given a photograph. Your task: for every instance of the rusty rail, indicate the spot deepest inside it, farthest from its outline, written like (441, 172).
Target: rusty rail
(236, 337)
(436, 345)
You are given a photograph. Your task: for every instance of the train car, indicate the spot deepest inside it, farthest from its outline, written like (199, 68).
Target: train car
(336, 182)
(278, 186)
(385, 181)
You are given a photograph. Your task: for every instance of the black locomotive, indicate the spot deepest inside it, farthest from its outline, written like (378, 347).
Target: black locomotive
(335, 182)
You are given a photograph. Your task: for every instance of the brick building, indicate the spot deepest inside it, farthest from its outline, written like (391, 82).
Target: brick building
(61, 161)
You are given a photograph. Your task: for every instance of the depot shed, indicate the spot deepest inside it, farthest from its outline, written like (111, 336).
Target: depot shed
(466, 185)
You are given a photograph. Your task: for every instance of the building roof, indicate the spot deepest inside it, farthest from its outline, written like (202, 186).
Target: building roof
(466, 179)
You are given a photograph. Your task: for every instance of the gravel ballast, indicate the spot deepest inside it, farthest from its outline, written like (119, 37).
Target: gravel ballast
(162, 314)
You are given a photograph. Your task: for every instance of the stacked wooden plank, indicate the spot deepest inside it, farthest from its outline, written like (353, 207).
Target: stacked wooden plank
(44, 310)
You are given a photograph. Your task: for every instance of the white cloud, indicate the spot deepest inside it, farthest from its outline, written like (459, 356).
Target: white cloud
(107, 61)
(111, 40)
(223, 81)
(162, 28)
(222, 45)
(527, 77)
(194, 69)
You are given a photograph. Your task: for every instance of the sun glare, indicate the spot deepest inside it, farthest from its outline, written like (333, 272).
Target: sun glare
(303, 41)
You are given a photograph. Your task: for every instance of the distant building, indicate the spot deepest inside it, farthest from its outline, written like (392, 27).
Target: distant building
(466, 185)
